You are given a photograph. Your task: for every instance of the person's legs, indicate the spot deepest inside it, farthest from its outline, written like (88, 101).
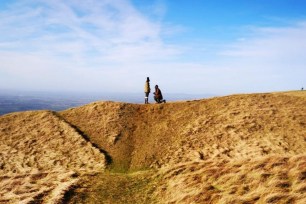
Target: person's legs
(146, 98)
(156, 99)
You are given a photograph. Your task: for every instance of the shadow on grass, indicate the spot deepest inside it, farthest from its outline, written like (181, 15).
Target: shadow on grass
(108, 158)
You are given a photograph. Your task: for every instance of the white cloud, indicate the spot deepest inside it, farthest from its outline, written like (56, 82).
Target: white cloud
(59, 41)
(274, 58)
(108, 45)
(272, 43)
(80, 28)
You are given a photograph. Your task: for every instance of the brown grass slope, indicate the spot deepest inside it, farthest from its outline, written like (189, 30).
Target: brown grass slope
(237, 126)
(40, 156)
(247, 148)
(234, 149)
(268, 179)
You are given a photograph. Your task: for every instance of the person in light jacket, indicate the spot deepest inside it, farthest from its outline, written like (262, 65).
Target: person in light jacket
(147, 90)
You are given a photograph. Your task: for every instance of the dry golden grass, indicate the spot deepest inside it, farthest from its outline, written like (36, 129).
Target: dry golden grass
(268, 179)
(39, 154)
(232, 149)
(247, 148)
(48, 187)
(155, 135)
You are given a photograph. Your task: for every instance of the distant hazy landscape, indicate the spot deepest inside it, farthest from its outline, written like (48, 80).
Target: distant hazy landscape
(13, 101)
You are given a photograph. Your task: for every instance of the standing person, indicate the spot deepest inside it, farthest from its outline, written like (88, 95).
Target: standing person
(158, 96)
(147, 90)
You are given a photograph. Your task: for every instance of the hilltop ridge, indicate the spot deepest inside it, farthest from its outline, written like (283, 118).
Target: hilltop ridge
(179, 152)
(224, 127)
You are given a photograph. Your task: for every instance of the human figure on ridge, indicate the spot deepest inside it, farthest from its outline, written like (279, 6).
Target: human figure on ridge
(158, 96)
(147, 90)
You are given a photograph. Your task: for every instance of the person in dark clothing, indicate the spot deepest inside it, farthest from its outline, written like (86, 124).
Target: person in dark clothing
(158, 96)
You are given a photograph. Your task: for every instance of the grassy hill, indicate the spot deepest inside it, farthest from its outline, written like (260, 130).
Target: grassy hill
(41, 156)
(247, 148)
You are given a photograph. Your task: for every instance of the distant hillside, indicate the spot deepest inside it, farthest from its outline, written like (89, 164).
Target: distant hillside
(247, 148)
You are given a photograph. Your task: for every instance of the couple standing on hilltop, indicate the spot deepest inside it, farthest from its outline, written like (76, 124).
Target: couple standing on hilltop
(158, 97)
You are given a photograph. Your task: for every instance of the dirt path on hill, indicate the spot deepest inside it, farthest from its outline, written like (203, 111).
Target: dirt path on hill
(109, 188)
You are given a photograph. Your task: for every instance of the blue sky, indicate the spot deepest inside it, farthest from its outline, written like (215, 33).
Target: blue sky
(198, 47)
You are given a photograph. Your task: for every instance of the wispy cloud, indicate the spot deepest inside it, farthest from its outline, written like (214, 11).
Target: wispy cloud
(263, 59)
(109, 45)
(273, 57)
(271, 42)
(67, 37)
(82, 28)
